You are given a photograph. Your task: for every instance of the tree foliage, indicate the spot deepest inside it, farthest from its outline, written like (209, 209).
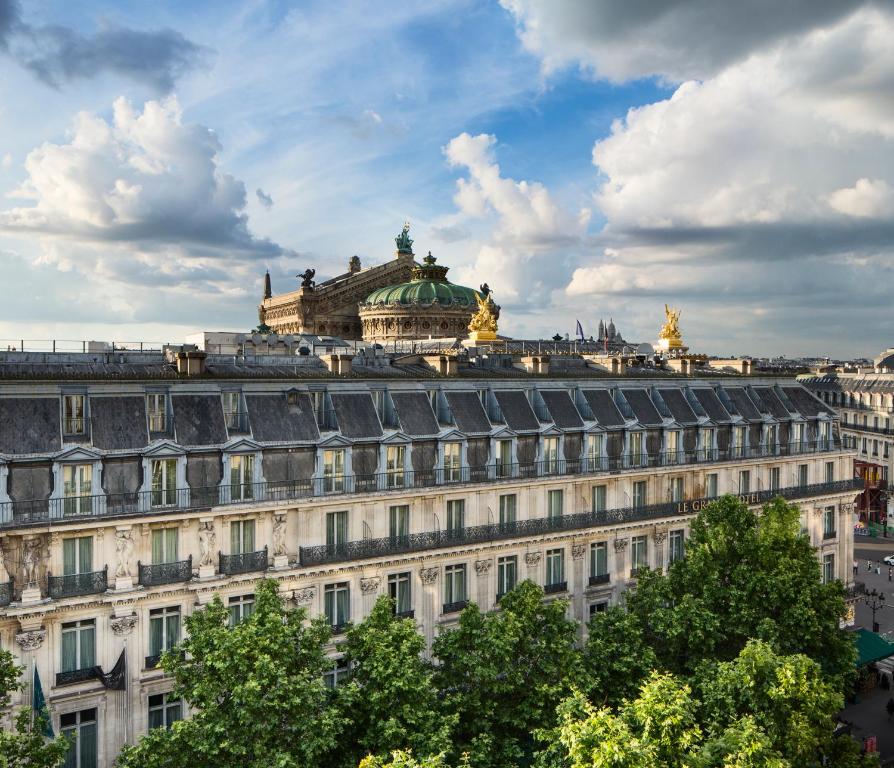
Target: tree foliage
(24, 745)
(503, 674)
(744, 576)
(390, 702)
(256, 691)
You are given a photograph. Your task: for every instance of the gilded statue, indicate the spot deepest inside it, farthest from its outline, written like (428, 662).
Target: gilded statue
(671, 329)
(483, 325)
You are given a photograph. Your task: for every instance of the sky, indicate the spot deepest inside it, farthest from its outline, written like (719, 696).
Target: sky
(586, 158)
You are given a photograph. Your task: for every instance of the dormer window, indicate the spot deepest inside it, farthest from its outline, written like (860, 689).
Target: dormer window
(672, 447)
(452, 462)
(73, 412)
(292, 399)
(378, 398)
(550, 454)
(77, 487)
(595, 450)
(232, 407)
(394, 464)
(334, 471)
(157, 409)
(242, 476)
(637, 456)
(706, 443)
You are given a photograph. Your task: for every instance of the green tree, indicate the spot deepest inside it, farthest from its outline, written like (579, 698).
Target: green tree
(25, 746)
(503, 674)
(745, 575)
(402, 759)
(390, 701)
(256, 691)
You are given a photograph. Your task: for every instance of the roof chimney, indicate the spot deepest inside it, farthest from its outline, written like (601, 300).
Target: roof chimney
(191, 363)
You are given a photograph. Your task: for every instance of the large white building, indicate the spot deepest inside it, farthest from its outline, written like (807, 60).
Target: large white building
(136, 486)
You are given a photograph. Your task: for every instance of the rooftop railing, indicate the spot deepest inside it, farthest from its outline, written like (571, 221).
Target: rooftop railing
(415, 542)
(60, 510)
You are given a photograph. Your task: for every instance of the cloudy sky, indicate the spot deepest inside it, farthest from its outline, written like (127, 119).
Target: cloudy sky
(586, 158)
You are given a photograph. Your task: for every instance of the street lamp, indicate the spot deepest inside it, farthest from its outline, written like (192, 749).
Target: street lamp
(875, 600)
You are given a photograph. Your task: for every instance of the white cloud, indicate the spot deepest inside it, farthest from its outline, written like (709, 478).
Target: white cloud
(867, 199)
(532, 243)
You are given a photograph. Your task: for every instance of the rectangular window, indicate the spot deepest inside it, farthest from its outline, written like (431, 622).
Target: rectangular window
(639, 553)
(164, 630)
(378, 398)
(456, 515)
(554, 504)
(242, 537)
(555, 567)
(600, 492)
(394, 465)
(640, 498)
(334, 471)
(242, 476)
(164, 482)
(77, 555)
(454, 586)
(636, 449)
(672, 447)
(711, 485)
(739, 436)
(398, 522)
(507, 574)
(828, 568)
(78, 645)
(232, 410)
(337, 675)
(706, 443)
(507, 508)
(599, 562)
(798, 434)
(772, 439)
(595, 452)
(504, 458)
(336, 529)
(600, 607)
(802, 474)
(77, 487)
(399, 591)
(745, 481)
(337, 604)
(241, 607)
(676, 489)
(829, 523)
(550, 454)
(164, 710)
(452, 462)
(73, 414)
(165, 546)
(157, 409)
(774, 478)
(830, 471)
(80, 729)
(675, 546)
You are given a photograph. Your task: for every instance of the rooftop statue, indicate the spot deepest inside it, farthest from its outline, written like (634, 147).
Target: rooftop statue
(670, 331)
(483, 325)
(485, 290)
(403, 241)
(307, 278)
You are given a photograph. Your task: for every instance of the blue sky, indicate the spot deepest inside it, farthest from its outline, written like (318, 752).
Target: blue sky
(585, 160)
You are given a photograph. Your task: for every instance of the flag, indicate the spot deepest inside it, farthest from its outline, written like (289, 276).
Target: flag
(39, 704)
(579, 331)
(116, 680)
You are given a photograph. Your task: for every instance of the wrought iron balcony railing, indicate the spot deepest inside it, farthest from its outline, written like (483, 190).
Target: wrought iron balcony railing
(91, 583)
(408, 614)
(454, 607)
(416, 542)
(76, 676)
(244, 563)
(44, 511)
(151, 662)
(165, 573)
(602, 578)
(6, 592)
(559, 586)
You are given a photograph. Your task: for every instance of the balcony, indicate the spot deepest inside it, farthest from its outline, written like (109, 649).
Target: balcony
(408, 614)
(454, 607)
(339, 629)
(151, 662)
(76, 676)
(6, 593)
(418, 542)
(244, 563)
(165, 573)
(92, 583)
(602, 578)
(559, 586)
(48, 511)
(829, 535)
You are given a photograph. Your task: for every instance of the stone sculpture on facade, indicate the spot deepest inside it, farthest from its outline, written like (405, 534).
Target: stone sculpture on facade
(279, 535)
(206, 543)
(124, 550)
(32, 555)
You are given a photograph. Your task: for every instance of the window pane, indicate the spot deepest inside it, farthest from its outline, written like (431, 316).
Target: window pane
(88, 647)
(69, 650)
(85, 554)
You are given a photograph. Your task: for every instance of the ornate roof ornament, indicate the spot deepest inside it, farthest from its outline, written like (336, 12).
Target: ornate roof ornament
(670, 331)
(403, 241)
(483, 325)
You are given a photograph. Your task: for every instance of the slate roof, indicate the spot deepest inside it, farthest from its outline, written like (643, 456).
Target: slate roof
(468, 413)
(711, 403)
(30, 425)
(118, 423)
(603, 406)
(415, 414)
(807, 404)
(517, 411)
(747, 410)
(677, 405)
(643, 407)
(773, 404)
(356, 415)
(561, 409)
(273, 420)
(199, 420)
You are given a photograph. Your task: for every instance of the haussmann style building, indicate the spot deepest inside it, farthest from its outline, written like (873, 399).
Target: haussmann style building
(135, 486)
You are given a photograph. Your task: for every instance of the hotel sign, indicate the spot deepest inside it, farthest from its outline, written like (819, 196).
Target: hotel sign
(696, 505)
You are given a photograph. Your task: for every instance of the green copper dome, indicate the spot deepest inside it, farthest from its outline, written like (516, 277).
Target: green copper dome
(428, 285)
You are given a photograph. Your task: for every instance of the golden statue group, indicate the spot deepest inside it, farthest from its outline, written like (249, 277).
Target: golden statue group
(669, 336)
(483, 325)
